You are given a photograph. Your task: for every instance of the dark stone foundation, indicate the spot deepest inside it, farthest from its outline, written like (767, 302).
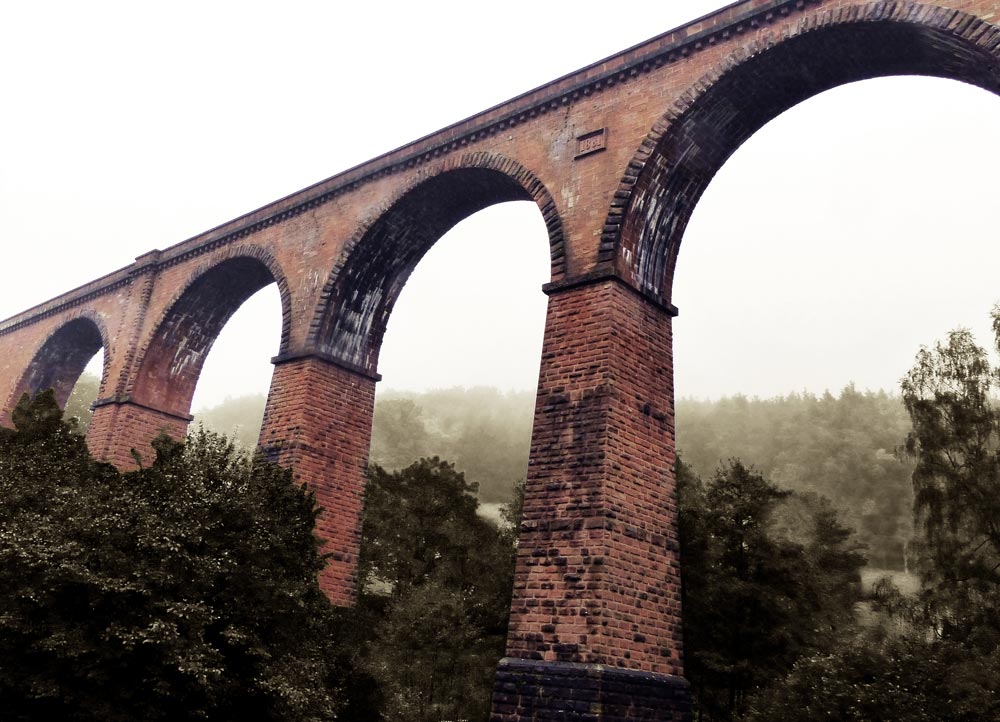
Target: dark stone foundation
(546, 691)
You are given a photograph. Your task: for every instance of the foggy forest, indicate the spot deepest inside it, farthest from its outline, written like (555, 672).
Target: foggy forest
(841, 551)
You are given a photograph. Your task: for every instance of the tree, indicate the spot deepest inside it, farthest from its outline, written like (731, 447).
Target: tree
(759, 592)
(896, 679)
(842, 447)
(184, 591)
(936, 656)
(436, 581)
(950, 395)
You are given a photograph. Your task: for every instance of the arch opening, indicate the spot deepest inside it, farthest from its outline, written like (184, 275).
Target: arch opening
(830, 264)
(692, 141)
(232, 388)
(85, 392)
(460, 365)
(807, 295)
(173, 361)
(366, 284)
(61, 360)
(461, 352)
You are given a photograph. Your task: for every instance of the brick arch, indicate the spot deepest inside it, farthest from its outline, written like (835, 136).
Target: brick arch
(363, 286)
(169, 364)
(688, 145)
(62, 357)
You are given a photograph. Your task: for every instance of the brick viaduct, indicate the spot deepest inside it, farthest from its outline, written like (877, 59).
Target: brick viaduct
(615, 156)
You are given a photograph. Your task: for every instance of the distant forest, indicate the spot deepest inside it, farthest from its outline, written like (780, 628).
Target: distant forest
(842, 447)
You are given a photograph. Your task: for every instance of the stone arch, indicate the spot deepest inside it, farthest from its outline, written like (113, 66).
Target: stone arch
(375, 264)
(62, 357)
(170, 362)
(691, 141)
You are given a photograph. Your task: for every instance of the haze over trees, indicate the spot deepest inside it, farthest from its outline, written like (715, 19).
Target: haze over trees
(782, 502)
(935, 656)
(483, 431)
(843, 447)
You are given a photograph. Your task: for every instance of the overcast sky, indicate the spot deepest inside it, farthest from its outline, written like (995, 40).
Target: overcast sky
(843, 235)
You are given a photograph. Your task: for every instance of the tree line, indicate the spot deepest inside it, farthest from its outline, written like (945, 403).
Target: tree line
(845, 447)
(777, 625)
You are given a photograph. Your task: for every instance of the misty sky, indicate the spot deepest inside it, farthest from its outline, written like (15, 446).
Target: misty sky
(843, 235)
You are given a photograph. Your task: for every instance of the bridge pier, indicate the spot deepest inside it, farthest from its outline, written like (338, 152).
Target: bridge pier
(318, 420)
(595, 630)
(117, 427)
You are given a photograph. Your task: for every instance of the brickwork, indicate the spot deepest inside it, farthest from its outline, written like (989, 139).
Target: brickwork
(598, 579)
(119, 428)
(318, 421)
(59, 362)
(615, 156)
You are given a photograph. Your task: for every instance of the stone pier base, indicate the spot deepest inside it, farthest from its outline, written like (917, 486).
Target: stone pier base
(547, 691)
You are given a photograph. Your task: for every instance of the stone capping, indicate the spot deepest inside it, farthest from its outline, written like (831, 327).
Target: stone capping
(735, 18)
(583, 669)
(128, 401)
(326, 358)
(606, 274)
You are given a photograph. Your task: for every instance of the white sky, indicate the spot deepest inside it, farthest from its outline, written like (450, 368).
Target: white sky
(837, 240)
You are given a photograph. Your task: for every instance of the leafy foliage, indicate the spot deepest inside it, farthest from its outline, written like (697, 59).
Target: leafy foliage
(898, 679)
(436, 582)
(768, 577)
(950, 395)
(186, 590)
(842, 448)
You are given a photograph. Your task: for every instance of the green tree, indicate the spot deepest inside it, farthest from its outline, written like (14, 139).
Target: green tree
(950, 396)
(184, 591)
(903, 678)
(841, 447)
(435, 595)
(759, 591)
